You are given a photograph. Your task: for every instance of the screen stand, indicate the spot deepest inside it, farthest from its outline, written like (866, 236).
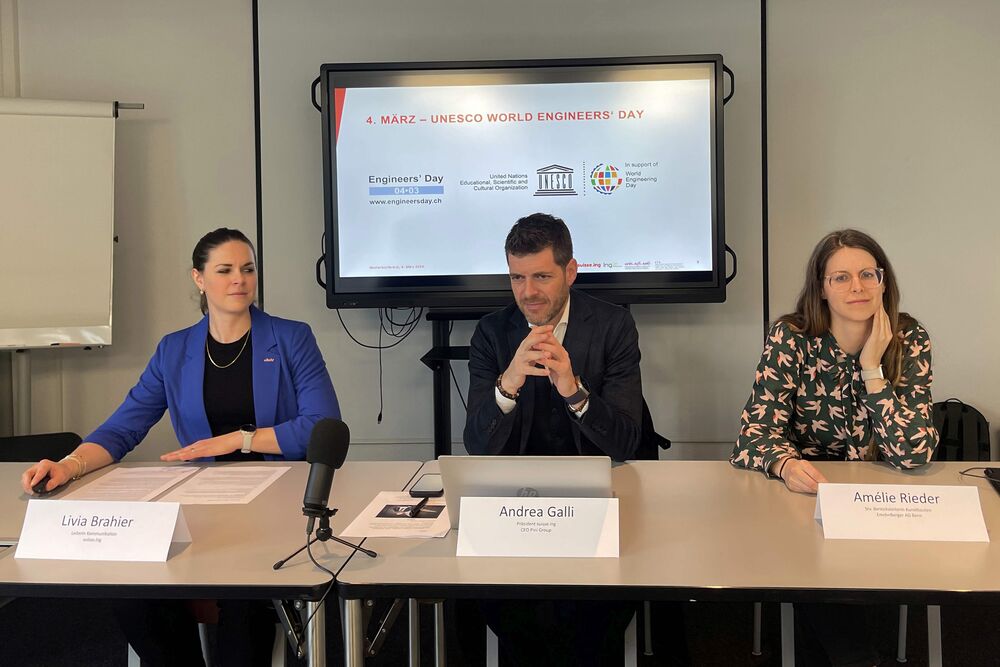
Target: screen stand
(439, 359)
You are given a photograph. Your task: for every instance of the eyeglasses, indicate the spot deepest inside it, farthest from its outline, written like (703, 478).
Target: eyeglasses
(841, 281)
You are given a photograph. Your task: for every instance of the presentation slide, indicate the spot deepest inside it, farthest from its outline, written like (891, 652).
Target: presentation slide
(429, 179)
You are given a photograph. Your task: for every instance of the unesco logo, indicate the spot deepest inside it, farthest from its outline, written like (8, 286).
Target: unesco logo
(527, 492)
(555, 180)
(605, 179)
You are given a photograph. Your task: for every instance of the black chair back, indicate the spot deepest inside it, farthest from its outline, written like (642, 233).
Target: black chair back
(964, 432)
(31, 448)
(650, 441)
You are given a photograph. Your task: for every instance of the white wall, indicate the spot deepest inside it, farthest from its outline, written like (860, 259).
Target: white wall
(879, 117)
(183, 166)
(697, 359)
(883, 117)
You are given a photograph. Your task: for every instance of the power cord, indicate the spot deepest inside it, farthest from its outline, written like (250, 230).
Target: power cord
(333, 580)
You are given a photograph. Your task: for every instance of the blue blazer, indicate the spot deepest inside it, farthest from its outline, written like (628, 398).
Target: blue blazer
(291, 388)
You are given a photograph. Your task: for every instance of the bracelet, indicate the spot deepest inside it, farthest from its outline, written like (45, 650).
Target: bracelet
(577, 411)
(503, 392)
(81, 464)
(781, 466)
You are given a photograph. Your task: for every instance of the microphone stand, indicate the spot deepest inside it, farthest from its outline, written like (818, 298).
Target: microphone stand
(323, 534)
(288, 612)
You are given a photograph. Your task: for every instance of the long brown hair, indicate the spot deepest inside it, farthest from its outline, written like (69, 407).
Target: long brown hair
(812, 312)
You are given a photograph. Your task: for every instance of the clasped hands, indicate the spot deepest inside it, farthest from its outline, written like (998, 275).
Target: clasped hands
(540, 354)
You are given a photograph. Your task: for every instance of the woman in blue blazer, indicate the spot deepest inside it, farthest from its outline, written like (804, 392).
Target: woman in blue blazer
(240, 385)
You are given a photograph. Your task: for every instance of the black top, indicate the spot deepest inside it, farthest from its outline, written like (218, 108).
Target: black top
(229, 390)
(551, 433)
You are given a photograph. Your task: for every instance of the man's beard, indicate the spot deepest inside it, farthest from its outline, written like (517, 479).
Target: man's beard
(551, 316)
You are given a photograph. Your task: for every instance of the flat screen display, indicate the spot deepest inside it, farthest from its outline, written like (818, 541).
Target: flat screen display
(427, 166)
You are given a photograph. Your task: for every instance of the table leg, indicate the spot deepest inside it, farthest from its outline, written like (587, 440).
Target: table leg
(934, 656)
(316, 634)
(787, 635)
(901, 634)
(758, 614)
(647, 628)
(414, 612)
(439, 656)
(354, 636)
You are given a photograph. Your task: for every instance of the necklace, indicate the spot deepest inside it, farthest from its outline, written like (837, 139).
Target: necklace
(246, 337)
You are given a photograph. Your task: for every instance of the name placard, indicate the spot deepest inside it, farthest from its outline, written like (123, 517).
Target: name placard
(901, 512)
(101, 530)
(539, 527)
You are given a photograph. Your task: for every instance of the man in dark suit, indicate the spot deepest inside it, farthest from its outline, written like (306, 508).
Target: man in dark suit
(556, 372)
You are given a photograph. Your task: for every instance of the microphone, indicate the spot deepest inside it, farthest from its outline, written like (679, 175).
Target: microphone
(326, 452)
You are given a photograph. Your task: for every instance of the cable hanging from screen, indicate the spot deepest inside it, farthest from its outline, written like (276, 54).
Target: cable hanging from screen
(389, 324)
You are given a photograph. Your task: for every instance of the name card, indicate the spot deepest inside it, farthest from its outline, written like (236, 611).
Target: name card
(101, 530)
(901, 512)
(538, 527)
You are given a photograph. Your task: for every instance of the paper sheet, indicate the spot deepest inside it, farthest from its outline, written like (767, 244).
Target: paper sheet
(226, 485)
(388, 516)
(133, 484)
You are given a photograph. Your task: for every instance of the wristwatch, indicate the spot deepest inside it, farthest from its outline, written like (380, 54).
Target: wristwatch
(578, 396)
(247, 430)
(873, 374)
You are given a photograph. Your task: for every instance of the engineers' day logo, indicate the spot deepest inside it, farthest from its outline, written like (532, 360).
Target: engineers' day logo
(605, 179)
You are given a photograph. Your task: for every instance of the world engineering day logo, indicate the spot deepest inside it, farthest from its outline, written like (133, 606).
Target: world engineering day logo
(605, 179)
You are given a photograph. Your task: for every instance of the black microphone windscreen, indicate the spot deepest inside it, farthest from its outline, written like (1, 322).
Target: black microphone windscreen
(328, 443)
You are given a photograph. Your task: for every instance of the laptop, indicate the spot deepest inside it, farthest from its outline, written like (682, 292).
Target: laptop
(523, 476)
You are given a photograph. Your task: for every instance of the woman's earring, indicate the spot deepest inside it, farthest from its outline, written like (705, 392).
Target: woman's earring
(201, 291)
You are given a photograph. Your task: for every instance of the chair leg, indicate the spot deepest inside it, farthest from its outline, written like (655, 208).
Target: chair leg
(901, 638)
(647, 628)
(492, 649)
(207, 636)
(632, 643)
(758, 610)
(787, 635)
(934, 656)
(279, 648)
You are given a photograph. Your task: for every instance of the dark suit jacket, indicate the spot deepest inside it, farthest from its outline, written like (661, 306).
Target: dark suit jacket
(291, 388)
(603, 346)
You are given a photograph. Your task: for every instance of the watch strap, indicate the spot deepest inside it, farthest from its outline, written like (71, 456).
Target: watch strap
(578, 396)
(873, 374)
(247, 442)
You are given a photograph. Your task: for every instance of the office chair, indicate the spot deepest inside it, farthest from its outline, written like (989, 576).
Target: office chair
(31, 448)
(964, 435)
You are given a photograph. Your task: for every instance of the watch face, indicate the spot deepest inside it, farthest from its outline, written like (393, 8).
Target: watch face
(248, 428)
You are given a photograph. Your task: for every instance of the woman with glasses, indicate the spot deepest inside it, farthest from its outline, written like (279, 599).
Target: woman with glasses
(847, 376)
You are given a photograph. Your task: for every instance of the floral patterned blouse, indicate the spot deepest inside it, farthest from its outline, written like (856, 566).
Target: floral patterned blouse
(809, 401)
